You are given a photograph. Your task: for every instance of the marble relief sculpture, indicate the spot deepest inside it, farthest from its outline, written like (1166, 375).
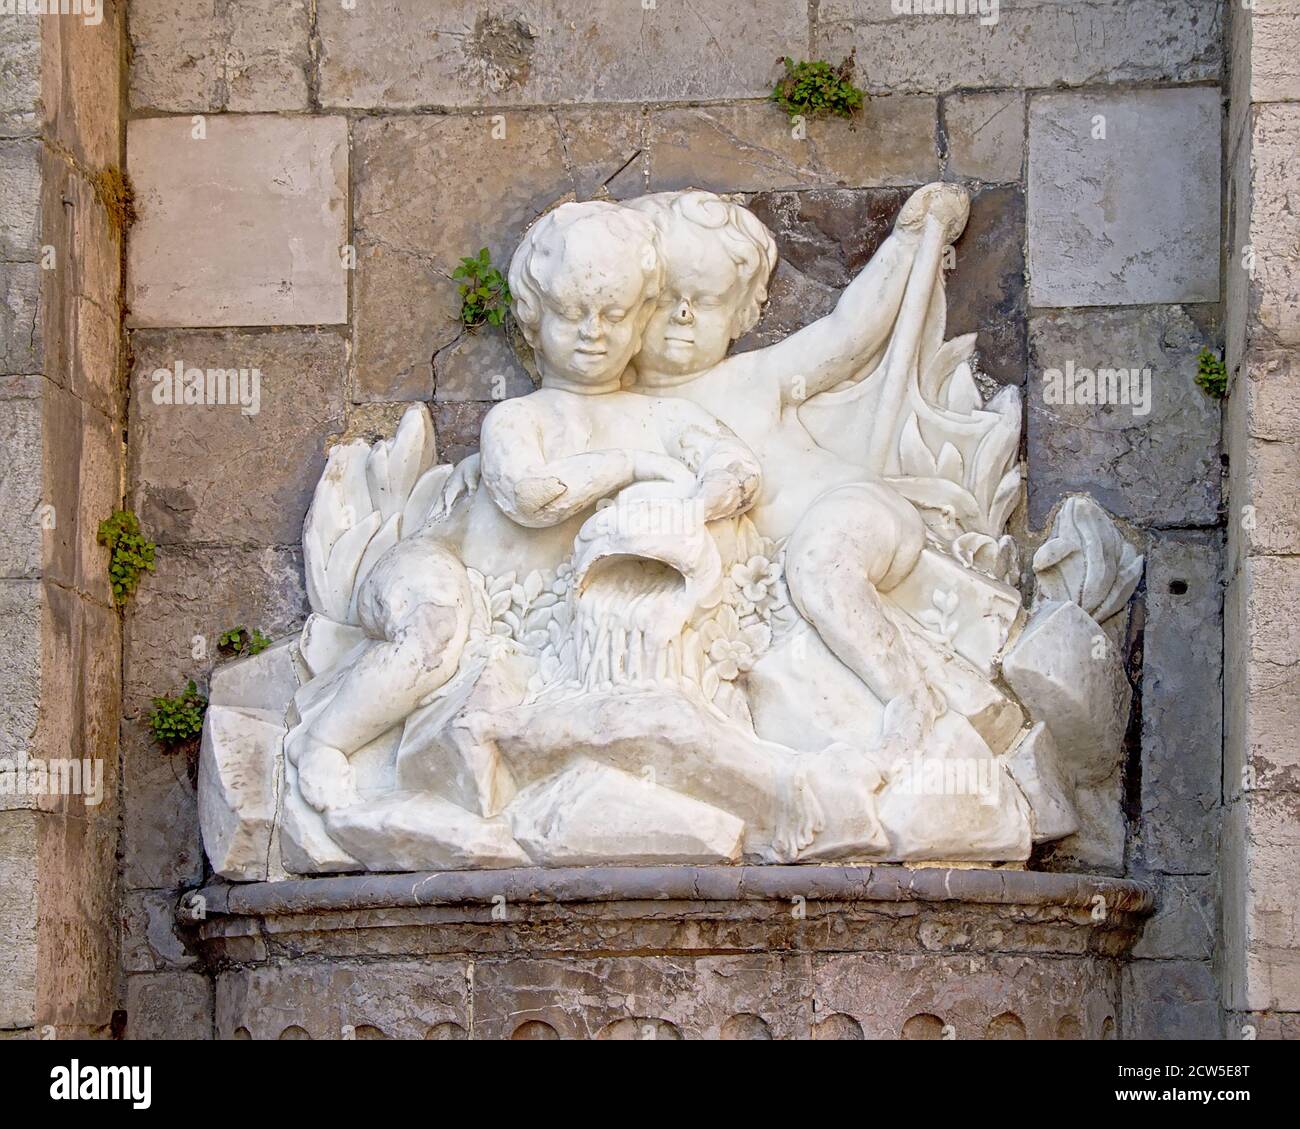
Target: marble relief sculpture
(686, 606)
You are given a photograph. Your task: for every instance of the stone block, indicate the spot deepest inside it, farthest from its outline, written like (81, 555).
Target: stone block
(81, 85)
(1182, 704)
(398, 999)
(20, 188)
(274, 197)
(1129, 217)
(1158, 468)
(1035, 766)
(179, 611)
(754, 148)
(21, 478)
(986, 289)
(150, 942)
(168, 1005)
(479, 366)
(21, 348)
(985, 134)
(592, 814)
(161, 845)
(760, 995)
(20, 63)
(903, 47)
(551, 51)
(1274, 47)
(18, 919)
(236, 57)
(1069, 675)
(1186, 920)
(1170, 1000)
(202, 472)
(22, 607)
(1274, 229)
(457, 426)
(237, 789)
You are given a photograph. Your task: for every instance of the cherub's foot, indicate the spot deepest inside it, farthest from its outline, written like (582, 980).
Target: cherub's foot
(325, 777)
(798, 816)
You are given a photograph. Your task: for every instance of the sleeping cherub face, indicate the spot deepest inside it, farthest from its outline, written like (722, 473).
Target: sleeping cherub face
(694, 319)
(593, 307)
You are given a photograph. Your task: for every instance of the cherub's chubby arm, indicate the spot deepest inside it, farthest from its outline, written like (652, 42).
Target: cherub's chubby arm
(727, 472)
(835, 348)
(535, 491)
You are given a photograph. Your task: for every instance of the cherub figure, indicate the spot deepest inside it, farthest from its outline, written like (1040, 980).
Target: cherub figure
(850, 539)
(585, 280)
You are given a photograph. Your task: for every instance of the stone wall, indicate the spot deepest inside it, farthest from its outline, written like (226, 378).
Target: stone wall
(308, 175)
(61, 416)
(1261, 958)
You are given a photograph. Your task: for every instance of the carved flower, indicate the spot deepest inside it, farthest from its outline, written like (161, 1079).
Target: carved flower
(730, 648)
(752, 586)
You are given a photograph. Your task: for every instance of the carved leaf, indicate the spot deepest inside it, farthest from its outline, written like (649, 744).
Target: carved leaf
(914, 457)
(1086, 561)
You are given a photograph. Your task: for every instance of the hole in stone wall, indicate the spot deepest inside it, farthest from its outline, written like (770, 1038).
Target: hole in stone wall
(1178, 587)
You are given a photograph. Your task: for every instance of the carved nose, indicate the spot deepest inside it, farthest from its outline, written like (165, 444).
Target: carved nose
(683, 314)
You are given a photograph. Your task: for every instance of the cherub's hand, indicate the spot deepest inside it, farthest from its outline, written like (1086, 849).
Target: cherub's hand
(948, 203)
(650, 466)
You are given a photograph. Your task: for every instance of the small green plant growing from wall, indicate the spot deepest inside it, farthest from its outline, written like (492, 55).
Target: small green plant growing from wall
(484, 291)
(178, 718)
(130, 553)
(815, 89)
(1211, 374)
(239, 641)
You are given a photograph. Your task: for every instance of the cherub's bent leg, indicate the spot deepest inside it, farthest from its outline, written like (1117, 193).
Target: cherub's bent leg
(854, 543)
(416, 603)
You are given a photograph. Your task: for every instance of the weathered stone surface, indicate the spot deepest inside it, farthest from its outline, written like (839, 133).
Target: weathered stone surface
(237, 789)
(273, 193)
(753, 148)
(459, 54)
(1182, 704)
(593, 813)
(20, 333)
(168, 1005)
(403, 999)
(1034, 764)
(20, 188)
(81, 82)
(161, 845)
(986, 289)
(1129, 217)
(179, 611)
(236, 57)
(150, 942)
(1185, 923)
(20, 66)
(479, 366)
(1273, 46)
(457, 426)
(21, 606)
(18, 894)
(1161, 468)
(1274, 227)
(1170, 1000)
(21, 480)
(1261, 904)
(1069, 675)
(1031, 44)
(201, 473)
(985, 135)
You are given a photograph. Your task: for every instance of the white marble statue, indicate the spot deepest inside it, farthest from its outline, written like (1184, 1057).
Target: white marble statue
(685, 606)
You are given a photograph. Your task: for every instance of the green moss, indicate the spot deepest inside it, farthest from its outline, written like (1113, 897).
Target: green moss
(130, 553)
(484, 291)
(1211, 374)
(816, 89)
(178, 718)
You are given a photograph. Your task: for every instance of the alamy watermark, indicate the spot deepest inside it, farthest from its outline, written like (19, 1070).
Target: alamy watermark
(37, 776)
(90, 11)
(985, 10)
(1130, 387)
(223, 386)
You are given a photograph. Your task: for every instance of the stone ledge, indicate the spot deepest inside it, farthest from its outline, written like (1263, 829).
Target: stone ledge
(677, 883)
